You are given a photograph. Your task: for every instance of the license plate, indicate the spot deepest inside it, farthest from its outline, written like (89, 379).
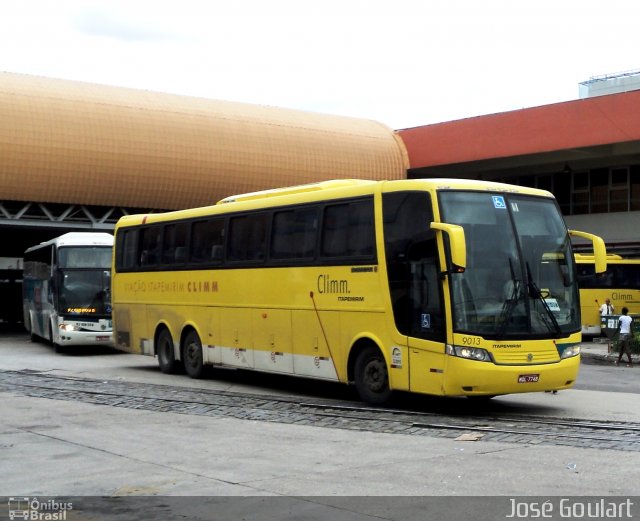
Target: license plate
(528, 378)
(102, 338)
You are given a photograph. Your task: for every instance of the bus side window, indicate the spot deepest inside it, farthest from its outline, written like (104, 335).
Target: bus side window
(294, 233)
(257, 237)
(361, 229)
(247, 237)
(150, 246)
(348, 230)
(174, 243)
(127, 248)
(207, 240)
(334, 231)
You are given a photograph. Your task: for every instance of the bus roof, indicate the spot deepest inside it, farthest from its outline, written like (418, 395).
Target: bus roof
(438, 184)
(77, 239)
(336, 188)
(298, 189)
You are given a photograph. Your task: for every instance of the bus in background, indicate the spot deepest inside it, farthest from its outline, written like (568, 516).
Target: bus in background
(620, 284)
(67, 290)
(441, 286)
(10, 290)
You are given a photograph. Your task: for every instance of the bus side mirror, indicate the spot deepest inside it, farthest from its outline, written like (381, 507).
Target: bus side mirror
(599, 249)
(457, 245)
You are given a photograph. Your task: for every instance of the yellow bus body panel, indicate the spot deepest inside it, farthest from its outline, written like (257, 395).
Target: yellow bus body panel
(289, 320)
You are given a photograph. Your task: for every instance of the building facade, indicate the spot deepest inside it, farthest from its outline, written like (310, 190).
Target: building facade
(586, 152)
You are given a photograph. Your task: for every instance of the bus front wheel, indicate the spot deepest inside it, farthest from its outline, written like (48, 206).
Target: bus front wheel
(164, 349)
(57, 347)
(29, 327)
(192, 355)
(372, 376)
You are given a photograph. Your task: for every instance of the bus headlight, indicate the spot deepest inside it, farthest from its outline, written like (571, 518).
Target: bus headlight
(570, 351)
(68, 327)
(470, 353)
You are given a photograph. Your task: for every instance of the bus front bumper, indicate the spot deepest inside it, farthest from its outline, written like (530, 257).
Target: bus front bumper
(472, 378)
(84, 338)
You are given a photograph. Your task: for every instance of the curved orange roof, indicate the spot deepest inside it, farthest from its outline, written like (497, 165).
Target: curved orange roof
(78, 143)
(574, 124)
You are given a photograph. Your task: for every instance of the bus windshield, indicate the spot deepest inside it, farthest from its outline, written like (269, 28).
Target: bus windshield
(519, 281)
(84, 292)
(84, 257)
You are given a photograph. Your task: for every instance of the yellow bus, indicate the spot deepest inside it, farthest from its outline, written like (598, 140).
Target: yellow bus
(443, 287)
(620, 284)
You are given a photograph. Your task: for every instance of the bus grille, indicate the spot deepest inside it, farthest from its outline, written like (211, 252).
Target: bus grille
(526, 357)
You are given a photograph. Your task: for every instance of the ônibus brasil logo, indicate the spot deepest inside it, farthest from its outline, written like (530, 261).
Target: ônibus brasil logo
(38, 510)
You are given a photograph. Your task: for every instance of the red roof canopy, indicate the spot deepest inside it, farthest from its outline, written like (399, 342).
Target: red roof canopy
(582, 123)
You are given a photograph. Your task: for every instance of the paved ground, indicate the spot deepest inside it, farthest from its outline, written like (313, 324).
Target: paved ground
(600, 350)
(59, 448)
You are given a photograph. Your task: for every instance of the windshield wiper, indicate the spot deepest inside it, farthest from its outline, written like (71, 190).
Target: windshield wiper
(536, 293)
(509, 304)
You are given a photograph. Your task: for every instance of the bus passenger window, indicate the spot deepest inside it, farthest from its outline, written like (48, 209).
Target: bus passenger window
(348, 230)
(294, 234)
(128, 258)
(207, 241)
(247, 237)
(150, 246)
(174, 243)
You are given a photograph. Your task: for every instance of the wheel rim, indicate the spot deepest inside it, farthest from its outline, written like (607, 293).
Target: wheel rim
(192, 354)
(375, 375)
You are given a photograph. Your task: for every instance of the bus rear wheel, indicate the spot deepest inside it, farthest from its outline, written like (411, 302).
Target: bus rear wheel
(192, 355)
(164, 349)
(372, 376)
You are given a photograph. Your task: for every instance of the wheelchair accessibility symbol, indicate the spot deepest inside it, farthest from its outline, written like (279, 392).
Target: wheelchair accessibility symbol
(498, 202)
(425, 321)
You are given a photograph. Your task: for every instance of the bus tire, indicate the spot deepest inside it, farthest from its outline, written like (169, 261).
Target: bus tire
(192, 355)
(29, 327)
(164, 349)
(57, 347)
(372, 376)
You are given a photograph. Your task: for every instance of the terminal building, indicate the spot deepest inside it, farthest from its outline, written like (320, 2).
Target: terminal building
(77, 156)
(586, 152)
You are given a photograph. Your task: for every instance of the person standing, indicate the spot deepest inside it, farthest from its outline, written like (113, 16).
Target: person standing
(607, 308)
(624, 326)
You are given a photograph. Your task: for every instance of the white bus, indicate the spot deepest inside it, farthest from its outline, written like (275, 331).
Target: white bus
(67, 290)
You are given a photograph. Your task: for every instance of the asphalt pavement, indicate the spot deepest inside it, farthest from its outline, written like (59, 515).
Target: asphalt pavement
(59, 448)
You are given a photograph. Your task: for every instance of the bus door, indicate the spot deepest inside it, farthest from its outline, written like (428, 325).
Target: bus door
(426, 327)
(415, 286)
